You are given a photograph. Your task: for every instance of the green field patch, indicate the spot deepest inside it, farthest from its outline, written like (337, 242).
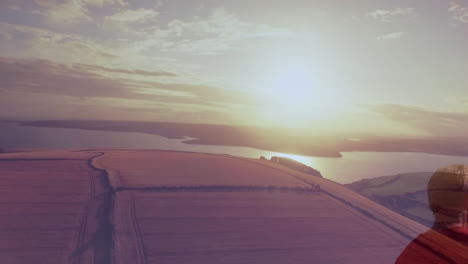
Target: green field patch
(406, 183)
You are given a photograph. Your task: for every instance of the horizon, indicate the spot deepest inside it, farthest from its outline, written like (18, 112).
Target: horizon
(209, 131)
(390, 69)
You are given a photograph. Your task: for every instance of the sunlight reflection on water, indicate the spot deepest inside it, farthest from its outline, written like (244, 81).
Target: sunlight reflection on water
(355, 166)
(351, 167)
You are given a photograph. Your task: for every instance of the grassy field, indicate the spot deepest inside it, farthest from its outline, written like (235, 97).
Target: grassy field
(201, 208)
(122, 206)
(44, 202)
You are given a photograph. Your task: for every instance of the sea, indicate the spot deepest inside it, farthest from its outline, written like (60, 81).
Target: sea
(351, 167)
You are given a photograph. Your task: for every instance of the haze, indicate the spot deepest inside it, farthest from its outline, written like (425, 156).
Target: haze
(382, 67)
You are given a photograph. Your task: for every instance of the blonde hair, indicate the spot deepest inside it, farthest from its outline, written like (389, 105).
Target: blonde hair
(447, 190)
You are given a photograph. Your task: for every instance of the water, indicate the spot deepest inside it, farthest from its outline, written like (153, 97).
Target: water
(351, 167)
(355, 166)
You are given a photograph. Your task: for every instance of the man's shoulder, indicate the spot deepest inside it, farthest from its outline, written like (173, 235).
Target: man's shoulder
(434, 247)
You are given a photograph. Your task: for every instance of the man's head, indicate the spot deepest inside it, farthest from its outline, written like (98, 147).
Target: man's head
(448, 194)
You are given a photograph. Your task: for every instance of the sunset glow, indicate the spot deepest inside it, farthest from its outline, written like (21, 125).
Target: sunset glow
(295, 86)
(295, 65)
(302, 159)
(233, 131)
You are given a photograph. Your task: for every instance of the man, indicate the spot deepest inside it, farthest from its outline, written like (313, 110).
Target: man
(447, 240)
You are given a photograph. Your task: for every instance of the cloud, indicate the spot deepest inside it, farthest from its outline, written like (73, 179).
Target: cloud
(108, 57)
(219, 32)
(444, 124)
(107, 73)
(130, 23)
(68, 13)
(71, 11)
(40, 43)
(14, 7)
(133, 16)
(227, 25)
(389, 15)
(26, 78)
(85, 3)
(391, 36)
(42, 76)
(96, 68)
(459, 13)
(135, 35)
(21, 105)
(102, 3)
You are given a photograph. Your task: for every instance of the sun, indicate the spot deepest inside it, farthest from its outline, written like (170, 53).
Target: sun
(294, 86)
(296, 91)
(290, 98)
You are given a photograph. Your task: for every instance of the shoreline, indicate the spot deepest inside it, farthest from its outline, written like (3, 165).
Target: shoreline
(264, 139)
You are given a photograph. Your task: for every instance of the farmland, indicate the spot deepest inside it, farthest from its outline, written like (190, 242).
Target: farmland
(125, 206)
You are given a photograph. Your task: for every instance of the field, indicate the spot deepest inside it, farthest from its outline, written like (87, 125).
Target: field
(122, 206)
(403, 193)
(45, 201)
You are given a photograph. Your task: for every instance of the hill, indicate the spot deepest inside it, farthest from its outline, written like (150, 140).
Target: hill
(402, 193)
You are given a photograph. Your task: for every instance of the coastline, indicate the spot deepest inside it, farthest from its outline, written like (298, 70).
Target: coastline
(268, 139)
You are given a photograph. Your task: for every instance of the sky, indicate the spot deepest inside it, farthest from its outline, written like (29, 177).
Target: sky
(384, 67)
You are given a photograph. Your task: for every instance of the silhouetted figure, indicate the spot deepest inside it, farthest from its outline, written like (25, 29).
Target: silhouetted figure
(447, 240)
